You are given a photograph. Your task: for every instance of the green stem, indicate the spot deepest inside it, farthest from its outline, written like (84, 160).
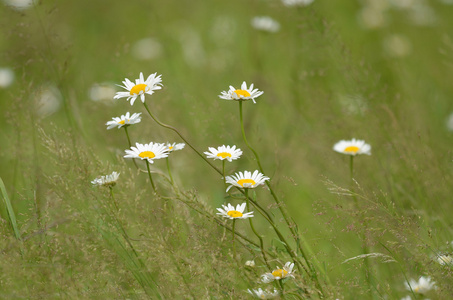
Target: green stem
(169, 171)
(113, 197)
(182, 137)
(234, 247)
(291, 225)
(223, 173)
(150, 177)
(254, 231)
(130, 144)
(351, 169)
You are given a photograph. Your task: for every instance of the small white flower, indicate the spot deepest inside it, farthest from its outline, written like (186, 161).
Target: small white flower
(246, 180)
(243, 93)
(6, 77)
(230, 212)
(102, 92)
(140, 88)
(107, 180)
(262, 294)
(352, 147)
(277, 274)
(124, 120)
(423, 285)
(297, 2)
(175, 147)
(265, 23)
(444, 259)
(250, 263)
(149, 151)
(224, 152)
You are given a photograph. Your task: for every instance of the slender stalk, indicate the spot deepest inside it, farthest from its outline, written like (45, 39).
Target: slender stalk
(129, 142)
(169, 171)
(181, 136)
(234, 246)
(254, 231)
(291, 225)
(113, 197)
(150, 177)
(223, 173)
(282, 288)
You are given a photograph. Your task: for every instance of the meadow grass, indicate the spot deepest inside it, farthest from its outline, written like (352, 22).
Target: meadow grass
(370, 70)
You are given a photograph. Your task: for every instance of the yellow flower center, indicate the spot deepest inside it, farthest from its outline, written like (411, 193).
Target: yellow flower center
(139, 88)
(242, 181)
(170, 147)
(280, 273)
(242, 93)
(122, 122)
(234, 214)
(352, 149)
(417, 289)
(224, 154)
(147, 154)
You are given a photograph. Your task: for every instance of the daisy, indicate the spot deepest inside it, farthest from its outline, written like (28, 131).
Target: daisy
(265, 23)
(140, 88)
(124, 120)
(175, 147)
(149, 151)
(352, 147)
(224, 152)
(423, 285)
(107, 180)
(444, 259)
(232, 213)
(246, 180)
(297, 2)
(277, 274)
(262, 294)
(242, 94)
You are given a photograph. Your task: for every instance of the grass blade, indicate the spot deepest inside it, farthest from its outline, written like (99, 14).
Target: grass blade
(9, 207)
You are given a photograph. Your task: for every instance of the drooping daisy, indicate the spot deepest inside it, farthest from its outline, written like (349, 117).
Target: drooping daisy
(263, 294)
(175, 147)
(230, 212)
(140, 88)
(352, 147)
(243, 93)
(444, 259)
(423, 285)
(149, 151)
(265, 23)
(297, 2)
(277, 274)
(124, 120)
(246, 180)
(107, 180)
(224, 152)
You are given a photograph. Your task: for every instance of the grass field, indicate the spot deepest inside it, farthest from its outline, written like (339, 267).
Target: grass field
(374, 70)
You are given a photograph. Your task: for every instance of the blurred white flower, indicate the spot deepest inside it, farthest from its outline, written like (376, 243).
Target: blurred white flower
(444, 259)
(263, 294)
(277, 274)
(371, 18)
(147, 49)
(102, 92)
(423, 285)
(230, 212)
(192, 47)
(6, 77)
(47, 99)
(243, 93)
(124, 120)
(396, 45)
(250, 263)
(175, 146)
(20, 4)
(265, 23)
(107, 180)
(297, 2)
(352, 147)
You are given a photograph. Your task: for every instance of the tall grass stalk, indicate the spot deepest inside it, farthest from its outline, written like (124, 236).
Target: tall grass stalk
(10, 210)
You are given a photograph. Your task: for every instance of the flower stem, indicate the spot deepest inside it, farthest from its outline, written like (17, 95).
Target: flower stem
(130, 144)
(113, 198)
(234, 247)
(150, 177)
(223, 173)
(181, 136)
(169, 171)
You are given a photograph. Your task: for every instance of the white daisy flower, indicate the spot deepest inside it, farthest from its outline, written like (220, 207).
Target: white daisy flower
(262, 294)
(140, 88)
(352, 147)
(107, 180)
(277, 274)
(423, 285)
(246, 180)
(230, 212)
(149, 151)
(250, 263)
(224, 152)
(242, 94)
(297, 2)
(124, 120)
(265, 23)
(6, 77)
(444, 259)
(175, 147)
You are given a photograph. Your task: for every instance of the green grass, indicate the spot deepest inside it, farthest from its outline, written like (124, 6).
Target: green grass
(63, 238)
